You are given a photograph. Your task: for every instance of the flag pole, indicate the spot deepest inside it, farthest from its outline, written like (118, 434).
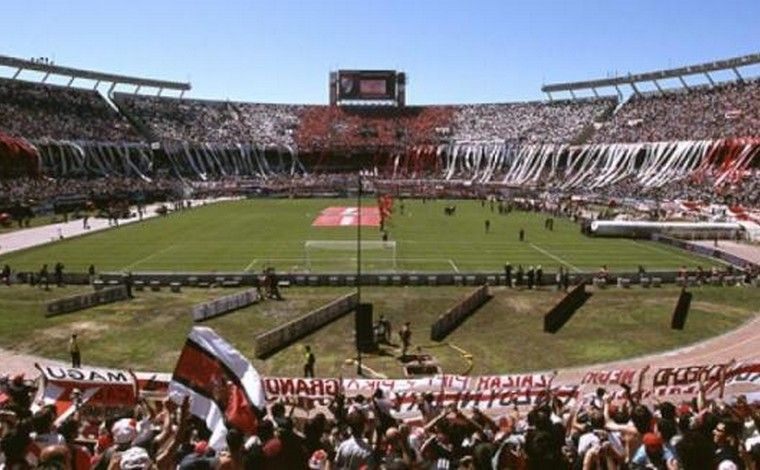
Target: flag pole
(358, 265)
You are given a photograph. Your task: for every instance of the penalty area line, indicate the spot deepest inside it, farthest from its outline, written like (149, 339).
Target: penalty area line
(453, 265)
(251, 264)
(554, 257)
(150, 256)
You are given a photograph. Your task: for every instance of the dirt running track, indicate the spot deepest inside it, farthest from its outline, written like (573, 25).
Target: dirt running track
(742, 344)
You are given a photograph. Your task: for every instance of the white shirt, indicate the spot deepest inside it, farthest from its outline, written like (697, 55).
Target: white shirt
(353, 453)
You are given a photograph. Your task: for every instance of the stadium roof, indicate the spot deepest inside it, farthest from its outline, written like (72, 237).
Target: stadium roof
(49, 69)
(631, 80)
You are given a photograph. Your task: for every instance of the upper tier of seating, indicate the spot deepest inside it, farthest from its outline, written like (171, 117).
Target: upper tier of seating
(36, 111)
(728, 110)
(39, 111)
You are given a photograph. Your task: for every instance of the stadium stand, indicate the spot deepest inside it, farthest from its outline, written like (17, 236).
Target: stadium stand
(533, 122)
(722, 111)
(205, 121)
(51, 112)
(502, 422)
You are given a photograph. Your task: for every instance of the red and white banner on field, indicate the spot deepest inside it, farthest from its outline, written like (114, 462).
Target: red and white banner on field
(348, 217)
(207, 363)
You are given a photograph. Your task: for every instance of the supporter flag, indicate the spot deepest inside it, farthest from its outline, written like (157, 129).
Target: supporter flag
(223, 386)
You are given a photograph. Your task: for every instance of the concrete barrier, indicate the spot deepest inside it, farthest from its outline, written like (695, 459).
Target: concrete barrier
(105, 295)
(222, 305)
(447, 322)
(274, 340)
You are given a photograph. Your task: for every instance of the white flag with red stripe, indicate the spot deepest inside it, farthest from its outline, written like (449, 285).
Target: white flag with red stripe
(223, 386)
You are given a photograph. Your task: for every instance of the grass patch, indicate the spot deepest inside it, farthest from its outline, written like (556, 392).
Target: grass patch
(505, 335)
(252, 234)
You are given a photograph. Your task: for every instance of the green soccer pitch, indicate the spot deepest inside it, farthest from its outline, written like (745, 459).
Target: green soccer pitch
(249, 235)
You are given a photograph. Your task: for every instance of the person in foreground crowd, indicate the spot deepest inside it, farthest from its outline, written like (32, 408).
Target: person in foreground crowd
(606, 430)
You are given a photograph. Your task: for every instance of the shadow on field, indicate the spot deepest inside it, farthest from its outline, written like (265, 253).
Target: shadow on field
(565, 309)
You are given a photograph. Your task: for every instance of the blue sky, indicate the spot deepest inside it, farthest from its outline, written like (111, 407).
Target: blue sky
(452, 51)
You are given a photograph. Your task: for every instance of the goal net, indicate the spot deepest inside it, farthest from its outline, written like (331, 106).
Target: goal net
(340, 255)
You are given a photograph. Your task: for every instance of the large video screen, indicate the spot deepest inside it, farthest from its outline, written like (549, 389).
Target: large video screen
(366, 85)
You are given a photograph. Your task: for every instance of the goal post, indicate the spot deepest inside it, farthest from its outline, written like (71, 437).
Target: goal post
(374, 253)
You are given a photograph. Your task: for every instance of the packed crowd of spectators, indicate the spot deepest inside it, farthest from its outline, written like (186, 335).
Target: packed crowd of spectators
(347, 128)
(726, 110)
(40, 191)
(366, 127)
(531, 122)
(745, 194)
(202, 121)
(39, 112)
(365, 432)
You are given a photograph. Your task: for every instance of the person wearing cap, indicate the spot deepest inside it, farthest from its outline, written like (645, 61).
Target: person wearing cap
(135, 458)
(653, 454)
(123, 432)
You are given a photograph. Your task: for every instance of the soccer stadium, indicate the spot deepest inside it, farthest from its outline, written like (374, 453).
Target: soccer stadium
(189, 281)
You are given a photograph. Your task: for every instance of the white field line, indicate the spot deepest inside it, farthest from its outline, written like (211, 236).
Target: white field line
(453, 265)
(674, 254)
(554, 257)
(150, 256)
(250, 265)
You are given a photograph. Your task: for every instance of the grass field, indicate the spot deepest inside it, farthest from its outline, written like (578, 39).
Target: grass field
(249, 235)
(505, 335)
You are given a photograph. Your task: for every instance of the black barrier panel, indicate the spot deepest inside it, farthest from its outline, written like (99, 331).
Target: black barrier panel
(561, 313)
(447, 322)
(365, 337)
(83, 301)
(681, 311)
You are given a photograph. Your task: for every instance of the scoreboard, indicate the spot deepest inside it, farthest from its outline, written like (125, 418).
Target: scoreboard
(367, 85)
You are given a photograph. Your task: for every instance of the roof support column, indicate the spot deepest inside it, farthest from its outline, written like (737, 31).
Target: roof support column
(635, 90)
